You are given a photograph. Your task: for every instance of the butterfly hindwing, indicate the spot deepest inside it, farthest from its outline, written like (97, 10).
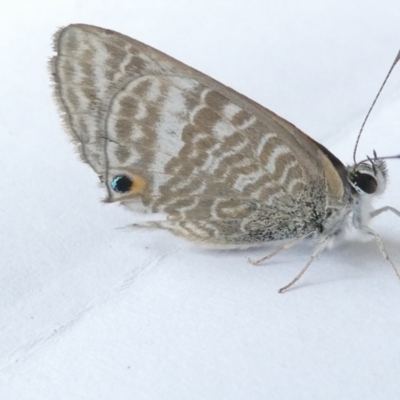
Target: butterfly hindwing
(207, 157)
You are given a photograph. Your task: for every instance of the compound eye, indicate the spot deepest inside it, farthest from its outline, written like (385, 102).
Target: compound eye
(365, 182)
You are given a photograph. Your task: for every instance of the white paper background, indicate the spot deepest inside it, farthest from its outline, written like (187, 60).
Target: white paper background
(90, 311)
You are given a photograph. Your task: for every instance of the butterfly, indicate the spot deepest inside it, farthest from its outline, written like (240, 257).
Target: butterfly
(223, 170)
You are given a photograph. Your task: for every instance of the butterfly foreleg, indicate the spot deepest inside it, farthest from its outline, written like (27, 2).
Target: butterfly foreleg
(314, 255)
(384, 209)
(284, 247)
(369, 231)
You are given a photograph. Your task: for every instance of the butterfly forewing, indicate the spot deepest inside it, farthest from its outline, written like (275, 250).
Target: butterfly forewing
(222, 168)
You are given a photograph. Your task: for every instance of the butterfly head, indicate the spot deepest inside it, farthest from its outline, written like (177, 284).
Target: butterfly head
(368, 177)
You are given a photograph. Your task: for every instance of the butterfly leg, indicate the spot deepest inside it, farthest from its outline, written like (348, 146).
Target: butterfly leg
(371, 232)
(383, 209)
(319, 249)
(284, 247)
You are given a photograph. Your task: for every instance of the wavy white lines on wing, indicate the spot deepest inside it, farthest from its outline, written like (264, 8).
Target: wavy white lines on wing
(264, 140)
(183, 210)
(196, 229)
(213, 162)
(223, 129)
(182, 184)
(199, 137)
(141, 110)
(286, 170)
(212, 228)
(121, 72)
(177, 229)
(230, 110)
(150, 96)
(201, 105)
(185, 184)
(245, 162)
(153, 93)
(293, 183)
(101, 57)
(213, 210)
(114, 162)
(208, 164)
(278, 151)
(248, 123)
(74, 83)
(198, 191)
(243, 180)
(184, 84)
(225, 210)
(114, 117)
(260, 193)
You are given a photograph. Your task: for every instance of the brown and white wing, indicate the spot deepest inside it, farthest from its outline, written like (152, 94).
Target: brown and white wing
(210, 159)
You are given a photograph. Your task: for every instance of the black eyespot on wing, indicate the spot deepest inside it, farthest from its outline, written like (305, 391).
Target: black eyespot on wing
(121, 184)
(365, 182)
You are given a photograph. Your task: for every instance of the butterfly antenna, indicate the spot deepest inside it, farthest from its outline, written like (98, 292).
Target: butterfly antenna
(371, 160)
(373, 104)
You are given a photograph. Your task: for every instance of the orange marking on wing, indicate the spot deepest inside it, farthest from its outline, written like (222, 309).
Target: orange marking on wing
(139, 184)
